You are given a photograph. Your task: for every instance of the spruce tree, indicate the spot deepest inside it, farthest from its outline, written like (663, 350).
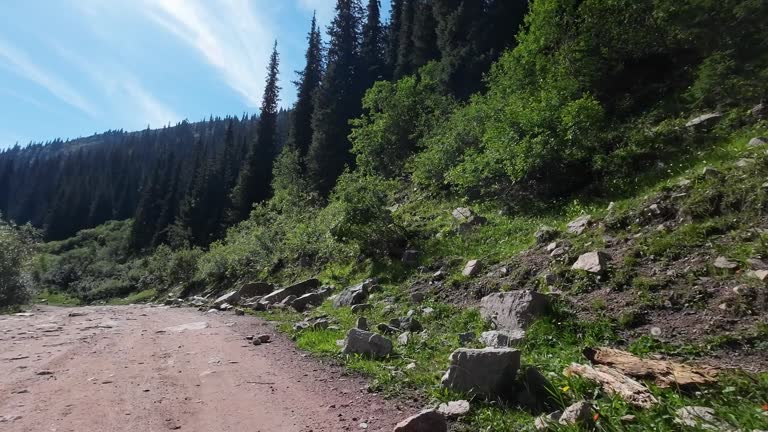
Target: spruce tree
(372, 47)
(337, 100)
(253, 184)
(393, 34)
(300, 129)
(404, 62)
(424, 35)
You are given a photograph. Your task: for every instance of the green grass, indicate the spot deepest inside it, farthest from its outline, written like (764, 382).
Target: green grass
(139, 297)
(56, 299)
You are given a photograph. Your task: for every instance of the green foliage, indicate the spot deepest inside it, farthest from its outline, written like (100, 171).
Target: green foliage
(398, 115)
(359, 216)
(17, 246)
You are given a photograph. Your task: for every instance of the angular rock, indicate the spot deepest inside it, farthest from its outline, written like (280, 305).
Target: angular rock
(744, 162)
(417, 297)
(454, 409)
(757, 142)
(353, 295)
(466, 338)
(230, 297)
(239, 312)
(759, 274)
(411, 257)
(225, 307)
(425, 421)
(759, 111)
(724, 263)
(711, 172)
(404, 338)
(255, 289)
(472, 268)
(501, 339)
(462, 213)
(367, 344)
(513, 311)
(360, 308)
(288, 300)
(298, 289)
(361, 324)
(704, 121)
(386, 328)
(579, 413)
(263, 338)
(592, 262)
(411, 324)
(487, 372)
(310, 299)
(580, 224)
(545, 234)
(547, 421)
(702, 418)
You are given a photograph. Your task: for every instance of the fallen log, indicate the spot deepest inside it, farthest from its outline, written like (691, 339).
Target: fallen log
(615, 383)
(663, 373)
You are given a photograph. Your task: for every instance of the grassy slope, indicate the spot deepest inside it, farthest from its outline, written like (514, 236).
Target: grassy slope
(553, 342)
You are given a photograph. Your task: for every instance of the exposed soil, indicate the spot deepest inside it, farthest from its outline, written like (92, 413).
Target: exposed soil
(139, 368)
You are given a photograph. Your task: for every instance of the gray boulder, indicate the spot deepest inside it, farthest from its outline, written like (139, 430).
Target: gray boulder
(353, 295)
(701, 418)
(310, 299)
(298, 289)
(425, 421)
(580, 224)
(254, 289)
(545, 234)
(592, 262)
(515, 310)
(367, 344)
(704, 121)
(409, 323)
(759, 111)
(501, 339)
(361, 324)
(230, 297)
(454, 409)
(724, 263)
(579, 413)
(360, 308)
(757, 142)
(487, 372)
(472, 268)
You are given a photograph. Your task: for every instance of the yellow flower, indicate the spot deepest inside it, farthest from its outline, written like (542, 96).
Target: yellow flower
(565, 389)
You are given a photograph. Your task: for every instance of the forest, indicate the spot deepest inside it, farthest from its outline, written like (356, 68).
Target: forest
(530, 112)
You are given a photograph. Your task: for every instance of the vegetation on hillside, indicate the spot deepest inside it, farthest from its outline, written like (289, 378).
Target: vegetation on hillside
(530, 121)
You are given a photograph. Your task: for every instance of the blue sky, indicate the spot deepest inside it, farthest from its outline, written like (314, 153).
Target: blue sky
(71, 68)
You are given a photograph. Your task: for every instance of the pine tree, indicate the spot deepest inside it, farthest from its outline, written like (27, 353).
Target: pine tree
(393, 34)
(337, 100)
(424, 35)
(373, 44)
(404, 63)
(253, 184)
(300, 129)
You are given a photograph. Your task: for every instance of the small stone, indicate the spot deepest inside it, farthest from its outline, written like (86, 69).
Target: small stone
(410, 366)
(454, 409)
(44, 372)
(417, 297)
(264, 338)
(744, 162)
(710, 172)
(249, 338)
(466, 338)
(239, 312)
(545, 234)
(759, 111)
(472, 268)
(256, 341)
(592, 262)
(366, 343)
(361, 324)
(700, 417)
(578, 413)
(363, 425)
(757, 142)
(759, 274)
(501, 339)
(655, 331)
(360, 308)
(404, 338)
(580, 224)
(629, 418)
(550, 247)
(704, 121)
(724, 263)
(425, 421)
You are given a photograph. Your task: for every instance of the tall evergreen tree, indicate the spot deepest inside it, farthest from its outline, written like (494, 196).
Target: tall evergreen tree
(253, 184)
(337, 100)
(373, 45)
(404, 63)
(300, 129)
(424, 34)
(393, 34)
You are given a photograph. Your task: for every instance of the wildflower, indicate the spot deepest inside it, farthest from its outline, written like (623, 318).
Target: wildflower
(765, 406)
(596, 417)
(565, 389)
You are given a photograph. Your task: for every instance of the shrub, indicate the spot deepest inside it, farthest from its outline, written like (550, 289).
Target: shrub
(17, 245)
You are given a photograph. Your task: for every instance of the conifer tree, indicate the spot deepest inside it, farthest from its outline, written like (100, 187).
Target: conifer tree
(373, 44)
(393, 34)
(404, 63)
(424, 35)
(253, 184)
(337, 100)
(300, 129)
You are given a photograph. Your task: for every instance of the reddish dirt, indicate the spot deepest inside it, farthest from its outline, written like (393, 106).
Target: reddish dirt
(125, 369)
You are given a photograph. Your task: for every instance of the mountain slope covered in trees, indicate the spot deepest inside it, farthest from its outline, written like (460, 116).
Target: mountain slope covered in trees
(463, 130)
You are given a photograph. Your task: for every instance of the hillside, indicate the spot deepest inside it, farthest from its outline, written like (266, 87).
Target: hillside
(562, 215)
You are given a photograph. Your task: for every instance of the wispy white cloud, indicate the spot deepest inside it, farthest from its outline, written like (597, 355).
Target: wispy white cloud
(228, 34)
(118, 84)
(19, 63)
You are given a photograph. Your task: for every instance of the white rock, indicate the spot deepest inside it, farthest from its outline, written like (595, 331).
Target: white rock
(592, 262)
(579, 225)
(472, 268)
(454, 409)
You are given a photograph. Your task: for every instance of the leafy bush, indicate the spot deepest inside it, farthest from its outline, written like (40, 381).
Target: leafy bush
(17, 245)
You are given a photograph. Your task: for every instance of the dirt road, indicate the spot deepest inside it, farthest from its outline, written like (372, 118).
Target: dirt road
(138, 368)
